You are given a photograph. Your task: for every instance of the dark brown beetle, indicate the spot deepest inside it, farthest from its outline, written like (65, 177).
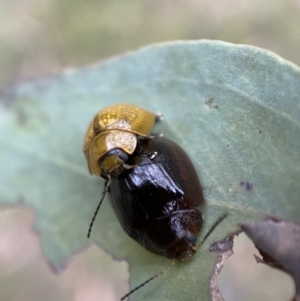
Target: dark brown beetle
(155, 201)
(153, 184)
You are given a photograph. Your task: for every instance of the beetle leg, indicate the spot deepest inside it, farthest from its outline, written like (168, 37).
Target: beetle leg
(195, 248)
(159, 117)
(156, 135)
(127, 166)
(151, 155)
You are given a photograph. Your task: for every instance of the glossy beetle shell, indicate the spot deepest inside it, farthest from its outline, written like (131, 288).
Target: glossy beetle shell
(115, 127)
(155, 201)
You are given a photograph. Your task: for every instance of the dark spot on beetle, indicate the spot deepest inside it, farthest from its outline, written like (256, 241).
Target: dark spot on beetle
(248, 186)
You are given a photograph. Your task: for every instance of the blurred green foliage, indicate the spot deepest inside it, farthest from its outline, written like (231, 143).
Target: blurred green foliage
(41, 37)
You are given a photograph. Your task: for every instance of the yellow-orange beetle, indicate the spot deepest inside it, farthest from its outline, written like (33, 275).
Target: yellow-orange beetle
(115, 128)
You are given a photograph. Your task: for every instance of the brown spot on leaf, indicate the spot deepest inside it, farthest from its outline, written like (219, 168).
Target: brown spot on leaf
(210, 104)
(247, 185)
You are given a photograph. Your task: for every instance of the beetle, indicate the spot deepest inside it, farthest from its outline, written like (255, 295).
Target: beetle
(153, 184)
(112, 134)
(156, 200)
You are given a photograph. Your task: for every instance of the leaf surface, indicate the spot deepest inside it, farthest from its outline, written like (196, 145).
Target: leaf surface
(234, 109)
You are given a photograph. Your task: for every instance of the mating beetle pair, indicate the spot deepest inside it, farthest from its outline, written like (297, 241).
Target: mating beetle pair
(152, 182)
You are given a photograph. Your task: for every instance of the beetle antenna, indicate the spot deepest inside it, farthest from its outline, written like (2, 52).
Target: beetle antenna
(107, 184)
(148, 280)
(212, 228)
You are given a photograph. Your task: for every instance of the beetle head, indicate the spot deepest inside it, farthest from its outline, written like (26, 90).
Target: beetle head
(113, 163)
(183, 249)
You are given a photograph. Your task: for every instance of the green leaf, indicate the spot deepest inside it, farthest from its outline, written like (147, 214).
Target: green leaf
(234, 109)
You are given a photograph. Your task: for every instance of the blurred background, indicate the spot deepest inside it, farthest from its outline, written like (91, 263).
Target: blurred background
(42, 37)
(39, 37)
